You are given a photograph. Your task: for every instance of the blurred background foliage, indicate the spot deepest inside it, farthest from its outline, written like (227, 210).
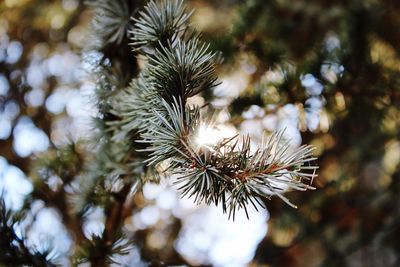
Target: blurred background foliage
(328, 71)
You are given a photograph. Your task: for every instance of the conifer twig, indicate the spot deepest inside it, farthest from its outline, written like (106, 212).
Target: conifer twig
(179, 66)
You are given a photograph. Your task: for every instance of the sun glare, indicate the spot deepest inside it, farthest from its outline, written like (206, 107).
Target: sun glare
(208, 135)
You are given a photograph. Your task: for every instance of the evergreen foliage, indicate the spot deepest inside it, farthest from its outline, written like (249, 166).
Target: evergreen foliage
(157, 84)
(13, 248)
(180, 66)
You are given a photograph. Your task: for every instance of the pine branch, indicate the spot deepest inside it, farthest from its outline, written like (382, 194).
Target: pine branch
(13, 248)
(109, 36)
(65, 163)
(183, 69)
(115, 158)
(111, 21)
(228, 173)
(101, 252)
(154, 106)
(162, 22)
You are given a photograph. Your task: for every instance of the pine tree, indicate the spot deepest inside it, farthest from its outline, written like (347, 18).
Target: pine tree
(328, 70)
(145, 129)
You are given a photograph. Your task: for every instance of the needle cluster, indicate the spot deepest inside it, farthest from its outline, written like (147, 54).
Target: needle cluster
(178, 66)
